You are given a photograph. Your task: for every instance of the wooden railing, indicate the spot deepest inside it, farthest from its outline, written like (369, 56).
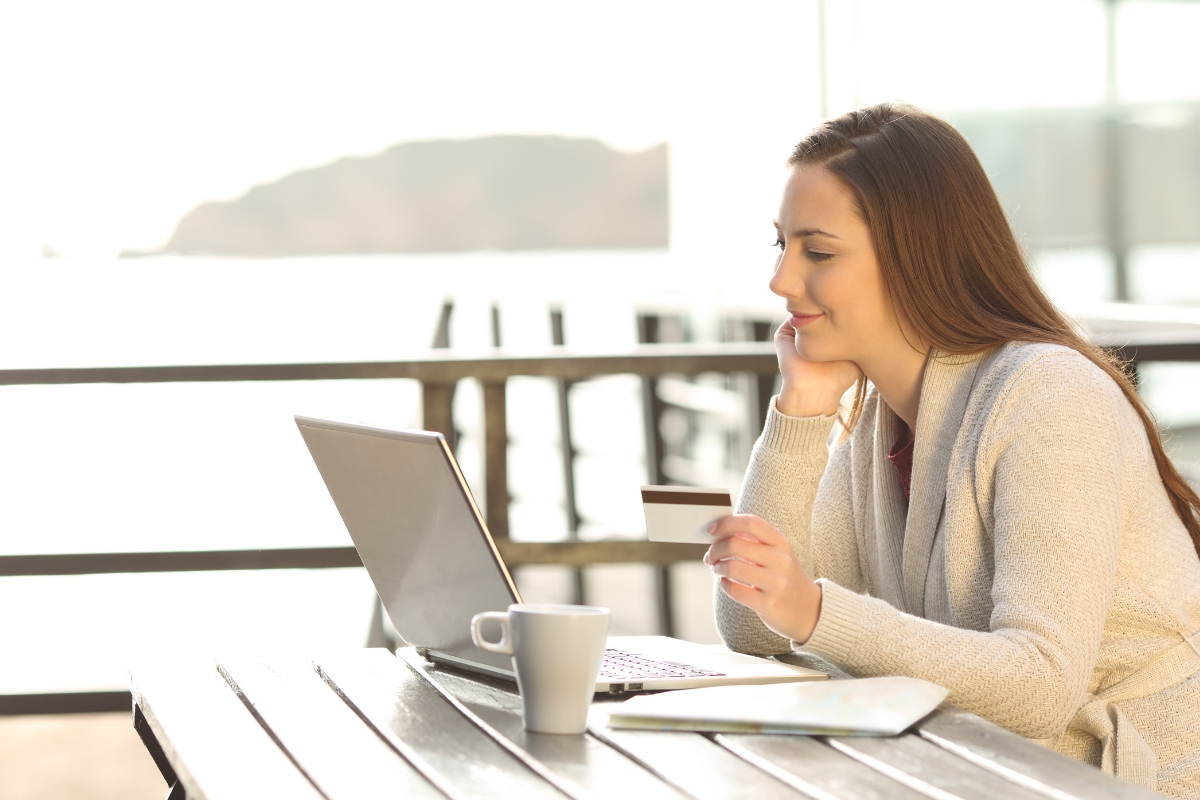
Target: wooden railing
(438, 374)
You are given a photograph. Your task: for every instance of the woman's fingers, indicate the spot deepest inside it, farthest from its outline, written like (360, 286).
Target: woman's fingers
(748, 524)
(749, 538)
(746, 573)
(746, 550)
(747, 596)
(786, 332)
(739, 547)
(810, 388)
(756, 566)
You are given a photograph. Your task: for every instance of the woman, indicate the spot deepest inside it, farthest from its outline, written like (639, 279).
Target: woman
(997, 514)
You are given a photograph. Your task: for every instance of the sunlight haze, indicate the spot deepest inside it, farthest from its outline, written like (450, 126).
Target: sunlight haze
(122, 116)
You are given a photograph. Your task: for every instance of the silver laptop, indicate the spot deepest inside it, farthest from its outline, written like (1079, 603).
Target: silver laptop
(428, 551)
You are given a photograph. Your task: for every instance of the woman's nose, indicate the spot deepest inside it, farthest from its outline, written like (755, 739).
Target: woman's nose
(788, 281)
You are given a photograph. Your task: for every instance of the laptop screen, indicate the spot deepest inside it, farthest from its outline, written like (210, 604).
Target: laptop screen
(417, 531)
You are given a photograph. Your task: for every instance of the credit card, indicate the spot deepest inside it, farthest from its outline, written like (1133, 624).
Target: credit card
(682, 513)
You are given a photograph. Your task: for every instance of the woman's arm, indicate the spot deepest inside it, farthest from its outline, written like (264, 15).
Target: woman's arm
(785, 469)
(1049, 477)
(781, 484)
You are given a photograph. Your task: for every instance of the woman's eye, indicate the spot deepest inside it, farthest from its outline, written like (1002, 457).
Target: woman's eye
(778, 243)
(818, 256)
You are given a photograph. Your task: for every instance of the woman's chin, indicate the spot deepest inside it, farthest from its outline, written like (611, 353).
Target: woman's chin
(812, 351)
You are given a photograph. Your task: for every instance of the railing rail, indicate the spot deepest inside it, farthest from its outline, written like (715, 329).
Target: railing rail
(650, 359)
(571, 553)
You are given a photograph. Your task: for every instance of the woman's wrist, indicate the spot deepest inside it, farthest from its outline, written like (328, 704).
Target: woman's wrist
(811, 617)
(796, 402)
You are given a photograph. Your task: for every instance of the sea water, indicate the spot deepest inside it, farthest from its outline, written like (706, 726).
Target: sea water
(108, 467)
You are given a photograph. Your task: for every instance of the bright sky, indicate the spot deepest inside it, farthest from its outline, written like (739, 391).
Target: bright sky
(120, 116)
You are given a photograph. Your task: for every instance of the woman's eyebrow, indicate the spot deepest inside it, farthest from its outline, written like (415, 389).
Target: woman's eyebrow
(806, 232)
(813, 232)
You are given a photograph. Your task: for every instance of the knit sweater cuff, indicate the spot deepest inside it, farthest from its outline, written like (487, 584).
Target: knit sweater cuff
(839, 628)
(794, 434)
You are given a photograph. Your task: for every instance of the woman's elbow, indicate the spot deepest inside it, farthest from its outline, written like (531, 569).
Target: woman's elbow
(1038, 722)
(1037, 709)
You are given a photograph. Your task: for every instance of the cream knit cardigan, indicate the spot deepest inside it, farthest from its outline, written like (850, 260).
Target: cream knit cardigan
(1038, 572)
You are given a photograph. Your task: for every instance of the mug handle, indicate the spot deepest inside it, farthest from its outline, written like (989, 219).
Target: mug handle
(504, 646)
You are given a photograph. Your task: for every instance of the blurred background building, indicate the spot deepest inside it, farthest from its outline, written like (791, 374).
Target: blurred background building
(268, 182)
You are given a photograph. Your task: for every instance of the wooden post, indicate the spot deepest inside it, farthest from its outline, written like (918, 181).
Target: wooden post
(764, 384)
(441, 336)
(495, 460)
(568, 457)
(652, 411)
(495, 444)
(557, 336)
(437, 399)
(497, 339)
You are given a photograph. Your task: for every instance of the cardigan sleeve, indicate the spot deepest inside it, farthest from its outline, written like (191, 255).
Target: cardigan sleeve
(781, 482)
(1048, 476)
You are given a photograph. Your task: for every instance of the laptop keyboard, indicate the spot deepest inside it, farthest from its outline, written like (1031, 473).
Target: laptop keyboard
(621, 666)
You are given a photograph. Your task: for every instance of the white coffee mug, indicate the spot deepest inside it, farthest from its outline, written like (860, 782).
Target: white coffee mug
(556, 652)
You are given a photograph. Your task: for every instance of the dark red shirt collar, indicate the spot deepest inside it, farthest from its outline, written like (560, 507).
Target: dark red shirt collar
(901, 456)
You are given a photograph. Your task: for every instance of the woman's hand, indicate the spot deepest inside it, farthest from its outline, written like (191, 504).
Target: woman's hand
(758, 569)
(810, 388)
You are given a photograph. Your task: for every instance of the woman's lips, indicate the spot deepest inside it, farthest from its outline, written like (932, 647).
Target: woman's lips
(800, 320)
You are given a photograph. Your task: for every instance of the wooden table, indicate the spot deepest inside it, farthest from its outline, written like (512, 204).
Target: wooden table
(370, 724)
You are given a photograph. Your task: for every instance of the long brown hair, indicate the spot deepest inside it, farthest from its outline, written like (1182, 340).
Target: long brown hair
(950, 261)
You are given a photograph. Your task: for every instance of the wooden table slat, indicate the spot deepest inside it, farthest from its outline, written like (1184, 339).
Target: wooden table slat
(216, 747)
(820, 771)
(1022, 761)
(692, 762)
(582, 765)
(341, 755)
(412, 715)
(920, 760)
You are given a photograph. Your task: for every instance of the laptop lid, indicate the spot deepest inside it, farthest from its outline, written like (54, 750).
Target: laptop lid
(417, 530)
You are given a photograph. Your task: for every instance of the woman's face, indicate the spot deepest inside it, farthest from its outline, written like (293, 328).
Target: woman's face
(828, 273)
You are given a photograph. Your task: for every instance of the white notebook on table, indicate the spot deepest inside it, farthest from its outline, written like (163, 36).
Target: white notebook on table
(864, 707)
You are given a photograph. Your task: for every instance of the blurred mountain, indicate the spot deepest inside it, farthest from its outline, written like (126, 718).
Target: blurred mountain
(493, 193)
